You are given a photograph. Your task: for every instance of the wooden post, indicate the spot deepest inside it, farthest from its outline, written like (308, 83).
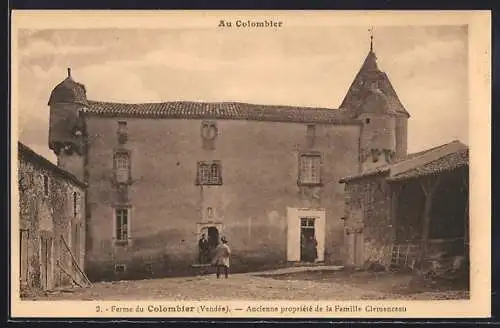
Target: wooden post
(75, 262)
(428, 185)
(69, 275)
(465, 183)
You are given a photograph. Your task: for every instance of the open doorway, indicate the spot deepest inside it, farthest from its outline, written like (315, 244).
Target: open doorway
(213, 239)
(207, 242)
(308, 243)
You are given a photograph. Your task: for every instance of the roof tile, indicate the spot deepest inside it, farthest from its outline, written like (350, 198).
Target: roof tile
(222, 110)
(447, 163)
(436, 159)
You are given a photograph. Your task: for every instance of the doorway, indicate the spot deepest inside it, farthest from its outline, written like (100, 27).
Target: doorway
(213, 238)
(46, 262)
(305, 222)
(212, 232)
(308, 243)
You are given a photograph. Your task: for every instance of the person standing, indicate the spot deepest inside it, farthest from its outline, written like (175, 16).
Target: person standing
(221, 258)
(203, 248)
(314, 249)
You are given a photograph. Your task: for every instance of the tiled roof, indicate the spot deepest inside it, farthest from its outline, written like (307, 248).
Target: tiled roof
(68, 91)
(28, 153)
(222, 110)
(359, 89)
(449, 162)
(436, 159)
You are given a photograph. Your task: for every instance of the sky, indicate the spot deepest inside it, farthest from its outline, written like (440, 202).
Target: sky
(300, 66)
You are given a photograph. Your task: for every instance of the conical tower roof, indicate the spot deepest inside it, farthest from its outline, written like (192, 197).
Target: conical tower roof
(68, 91)
(371, 83)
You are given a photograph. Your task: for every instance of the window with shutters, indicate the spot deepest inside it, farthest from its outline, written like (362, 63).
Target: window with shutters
(310, 169)
(209, 173)
(122, 167)
(122, 219)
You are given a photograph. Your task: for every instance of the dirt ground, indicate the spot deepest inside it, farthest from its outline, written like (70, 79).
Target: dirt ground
(292, 285)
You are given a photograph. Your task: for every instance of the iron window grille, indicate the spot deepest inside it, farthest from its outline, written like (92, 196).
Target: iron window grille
(209, 173)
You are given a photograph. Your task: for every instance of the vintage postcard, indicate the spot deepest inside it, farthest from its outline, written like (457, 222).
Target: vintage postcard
(259, 164)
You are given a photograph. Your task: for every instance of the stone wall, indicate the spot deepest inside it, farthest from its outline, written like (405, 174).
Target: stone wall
(259, 171)
(368, 206)
(46, 212)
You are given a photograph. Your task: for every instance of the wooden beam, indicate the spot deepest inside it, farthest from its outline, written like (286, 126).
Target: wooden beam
(75, 262)
(429, 186)
(67, 273)
(465, 183)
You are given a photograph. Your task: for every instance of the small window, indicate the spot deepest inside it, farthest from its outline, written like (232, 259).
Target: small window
(307, 222)
(367, 121)
(122, 127)
(122, 167)
(122, 132)
(310, 169)
(75, 204)
(311, 135)
(122, 220)
(120, 268)
(209, 173)
(45, 185)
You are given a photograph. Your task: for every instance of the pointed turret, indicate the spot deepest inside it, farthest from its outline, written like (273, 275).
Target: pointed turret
(372, 99)
(66, 125)
(370, 79)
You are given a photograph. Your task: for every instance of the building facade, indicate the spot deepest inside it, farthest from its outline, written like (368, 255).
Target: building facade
(52, 224)
(160, 175)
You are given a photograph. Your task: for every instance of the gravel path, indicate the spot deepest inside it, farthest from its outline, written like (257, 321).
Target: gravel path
(247, 286)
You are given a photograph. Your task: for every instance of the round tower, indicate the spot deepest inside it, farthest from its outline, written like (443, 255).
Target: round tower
(66, 125)
(378, 135)
(401, 136)
(372, 99)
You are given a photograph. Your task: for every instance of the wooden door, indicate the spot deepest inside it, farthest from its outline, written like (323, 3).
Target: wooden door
(23, 256)
(46, 263)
